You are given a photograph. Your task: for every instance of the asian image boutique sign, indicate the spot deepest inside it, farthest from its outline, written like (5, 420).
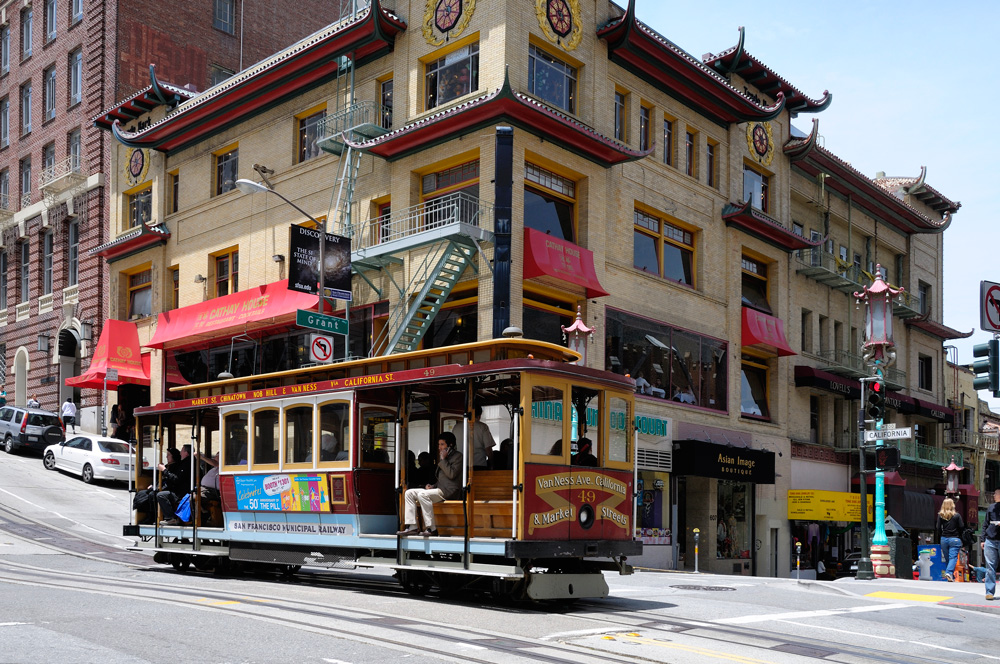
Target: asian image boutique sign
(303, 264)
(724, 462)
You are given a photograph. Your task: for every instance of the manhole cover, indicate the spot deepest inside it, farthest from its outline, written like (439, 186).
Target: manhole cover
(709, 588)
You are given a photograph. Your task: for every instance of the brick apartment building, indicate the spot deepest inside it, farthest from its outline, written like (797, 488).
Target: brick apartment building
(63, 63)
(685, 207)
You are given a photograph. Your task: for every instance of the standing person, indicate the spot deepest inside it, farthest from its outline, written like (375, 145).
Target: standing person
(991, 543)
(113, 420)
(482, 441)
(949, 527)
(448, 486)
(33, 402)
(3, 398)
(69, 414)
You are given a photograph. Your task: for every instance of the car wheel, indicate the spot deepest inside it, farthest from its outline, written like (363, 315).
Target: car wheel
(49, 461)
(53, 435)
(8, 444)
(88, 473)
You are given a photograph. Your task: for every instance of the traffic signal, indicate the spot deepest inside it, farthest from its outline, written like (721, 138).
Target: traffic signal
(876, 400)
(887, 458)
(990, 366)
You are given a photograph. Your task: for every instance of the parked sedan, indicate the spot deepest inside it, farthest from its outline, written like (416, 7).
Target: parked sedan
(90, 456)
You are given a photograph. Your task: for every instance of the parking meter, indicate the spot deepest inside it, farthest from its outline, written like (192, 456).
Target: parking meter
(798, 559)
(697, 536)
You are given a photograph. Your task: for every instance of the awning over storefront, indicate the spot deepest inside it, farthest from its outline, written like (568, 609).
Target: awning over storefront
(546, 256)
(920, 510)
(245, 311)
(851, 389)
(759, 329)
(724, 462)
(117, 348)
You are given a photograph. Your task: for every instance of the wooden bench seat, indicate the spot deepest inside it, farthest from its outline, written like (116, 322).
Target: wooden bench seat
(490, 507)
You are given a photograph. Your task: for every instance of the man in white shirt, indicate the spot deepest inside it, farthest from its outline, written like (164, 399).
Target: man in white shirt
(69, 414)
(482, 441)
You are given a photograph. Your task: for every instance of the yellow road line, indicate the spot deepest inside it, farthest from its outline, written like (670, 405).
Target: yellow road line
(219, 602)
(692, 649)
(909, 596)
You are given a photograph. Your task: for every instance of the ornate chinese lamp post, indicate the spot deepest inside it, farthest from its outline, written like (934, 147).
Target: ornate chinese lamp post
(576, 336)
(879, 353)
(951, 472)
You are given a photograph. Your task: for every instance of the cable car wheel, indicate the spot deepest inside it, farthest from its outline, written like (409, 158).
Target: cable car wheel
(414, 582)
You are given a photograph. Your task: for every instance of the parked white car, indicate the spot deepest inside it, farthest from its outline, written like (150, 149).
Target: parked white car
(90, 456)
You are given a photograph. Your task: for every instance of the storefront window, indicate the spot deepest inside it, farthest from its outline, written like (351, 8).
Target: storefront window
(732, 528)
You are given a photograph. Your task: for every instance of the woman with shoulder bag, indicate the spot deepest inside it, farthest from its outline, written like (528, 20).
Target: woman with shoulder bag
(950, 525)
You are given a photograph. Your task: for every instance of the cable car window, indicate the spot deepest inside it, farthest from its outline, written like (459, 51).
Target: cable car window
(266, 436)
(299, 434)
(546, 420)
(378, 435)
(618, 419)
(235, 452)
(334, 421)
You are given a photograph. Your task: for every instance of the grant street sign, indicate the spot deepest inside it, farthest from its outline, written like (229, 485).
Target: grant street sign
(321, 322)
(889, 434)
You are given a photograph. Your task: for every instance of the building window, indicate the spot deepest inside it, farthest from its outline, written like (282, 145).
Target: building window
(806, 342)
(668, 142)
(5, 190)
(73, 255)
(452, 76)
(667, 362)
(47, 257)
(755, 185)
(50, 20)
(544, 316)
(4, 50)
(755, 284)
(48, 161)
(26, 109)
(140, 294)
(140, 207)
(25, 271)
(924, 295)
(3, 280)
(712, 164)
(663, 249)
(310, 130)
(227, 268)
(223, 17)
(73, 146)
(26, 33)
(175, 287)
(218, 74)
(26, 182)
(549, 203)
(690, 162)
(173, 190)
(385, 94)
(438, 194)
(76, 10)
(4, 122)
(644, 115)
(924, 372)
(551, 80)
(75, 77)
(226, 167)
(621, 114)
(753, 388)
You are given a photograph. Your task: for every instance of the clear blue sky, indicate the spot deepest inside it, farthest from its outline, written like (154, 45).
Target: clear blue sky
(912, 86)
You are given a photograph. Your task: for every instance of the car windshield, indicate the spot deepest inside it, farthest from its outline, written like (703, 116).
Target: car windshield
(42, 420)
(113, 447)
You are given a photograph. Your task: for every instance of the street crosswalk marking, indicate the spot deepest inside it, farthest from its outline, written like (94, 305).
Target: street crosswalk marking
(913, 597)
(798, 615)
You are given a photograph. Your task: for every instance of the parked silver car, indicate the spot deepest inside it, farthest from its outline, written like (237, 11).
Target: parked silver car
(31, 428)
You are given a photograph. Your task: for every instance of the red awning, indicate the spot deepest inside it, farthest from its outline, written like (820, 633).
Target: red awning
(118, 348)
(759, 329)
(224, 316)
(546, 256)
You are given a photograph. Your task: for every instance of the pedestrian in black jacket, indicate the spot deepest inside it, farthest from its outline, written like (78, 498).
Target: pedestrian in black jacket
(991, 543)
(950, 527)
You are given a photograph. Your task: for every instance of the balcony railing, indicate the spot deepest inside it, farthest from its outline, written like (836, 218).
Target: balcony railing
(989, 443)
(440, 214)
(59, 177)
(843, 363)
(364, 119)
(71, 294)
(828, 269)
(22, 311)
(25, 199)
(962, 438)
(906, 305)
(928, 454)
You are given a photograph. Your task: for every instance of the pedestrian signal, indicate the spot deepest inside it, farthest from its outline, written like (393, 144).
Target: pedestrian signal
(876, 400)
(887, 458)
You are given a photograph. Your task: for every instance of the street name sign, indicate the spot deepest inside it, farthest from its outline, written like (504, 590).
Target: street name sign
(111, 374)
(889, 434)
(321, 322)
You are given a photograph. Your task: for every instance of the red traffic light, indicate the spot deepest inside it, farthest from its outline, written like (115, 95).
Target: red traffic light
(876, 386)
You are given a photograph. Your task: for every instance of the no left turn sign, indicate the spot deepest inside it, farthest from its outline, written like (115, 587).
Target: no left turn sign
(989, 306)
(321, 348)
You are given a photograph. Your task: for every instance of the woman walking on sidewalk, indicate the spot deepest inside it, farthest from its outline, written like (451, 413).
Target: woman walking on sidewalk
(950, 527)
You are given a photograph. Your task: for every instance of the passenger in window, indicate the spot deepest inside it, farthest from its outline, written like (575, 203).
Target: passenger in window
(210, 481)
(328, 447)
(425, 473)
(584, 455)
(502, 459)
(176, 480)
(447, 486)
(482, 441)
(556, 449)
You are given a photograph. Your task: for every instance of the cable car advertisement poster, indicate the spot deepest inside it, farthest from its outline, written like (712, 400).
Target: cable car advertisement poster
(577, 503)
(282, 493)
(303, 263)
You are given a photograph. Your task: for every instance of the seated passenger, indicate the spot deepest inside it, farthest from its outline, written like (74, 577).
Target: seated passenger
(176, 481)
(556, 448)
(328, 447)
(210, 481)
(502, 459)
(425, 470)
(447, 486)
(583, 456)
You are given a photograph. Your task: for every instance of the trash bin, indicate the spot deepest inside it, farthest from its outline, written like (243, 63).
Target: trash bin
(900, 548)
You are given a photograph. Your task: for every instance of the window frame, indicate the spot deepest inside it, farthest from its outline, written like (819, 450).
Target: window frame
(25, 109)
(566, 76)
(25, 271)
(925, 372)
(26, 32)
(267, 409)
(540, 179)
(139, 200)
(620, 116)
(438, 62)
(74, 148)
(173, 191)
(4, 50)
(48, 259)
(759, 366)
(4, 122)
(75, 76)
(669, 131)
(661, 238)
(309, 126)
(4, 280)
(691, 153)
(756, 269)
(231, 280)
(5, 202)
(25, 172)
(385, 90)
(50, 20)
(712, 164)
(73, 253)
(225, 161)
(137, 281)
(224, 16)
(764, 181)
(76, 11)
(645, 120)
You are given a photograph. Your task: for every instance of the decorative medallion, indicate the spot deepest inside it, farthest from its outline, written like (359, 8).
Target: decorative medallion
(560, 21)
(444, 19)
(136, 166)
(760, 142)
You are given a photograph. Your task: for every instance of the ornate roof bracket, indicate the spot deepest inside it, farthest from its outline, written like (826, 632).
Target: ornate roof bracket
(754, 222)
(917, 186)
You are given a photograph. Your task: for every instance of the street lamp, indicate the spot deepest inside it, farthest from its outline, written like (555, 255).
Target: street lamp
(576, 336)
(879, 353)
(951, 478)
